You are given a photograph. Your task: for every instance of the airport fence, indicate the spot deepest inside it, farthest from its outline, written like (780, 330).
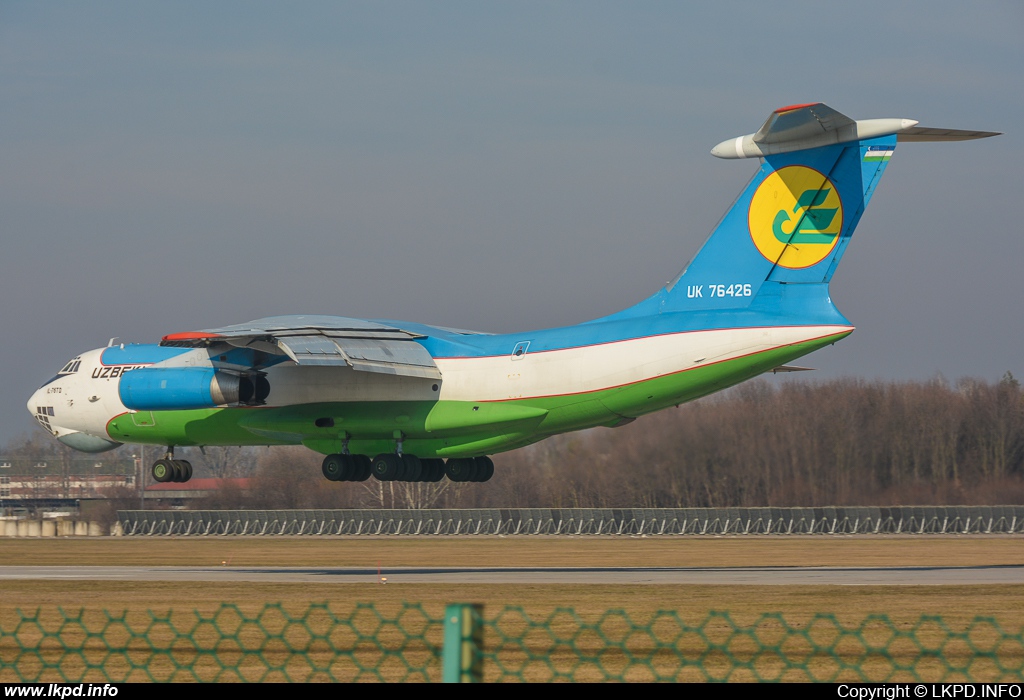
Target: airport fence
(924, 520)
(459, 643)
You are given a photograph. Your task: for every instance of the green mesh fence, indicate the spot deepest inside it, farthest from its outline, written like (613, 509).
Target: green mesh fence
(379, 642)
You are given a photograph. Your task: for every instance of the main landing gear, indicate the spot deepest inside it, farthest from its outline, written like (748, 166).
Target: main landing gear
(475, 469)
(170, 469)
(406, 467)
(346, 467)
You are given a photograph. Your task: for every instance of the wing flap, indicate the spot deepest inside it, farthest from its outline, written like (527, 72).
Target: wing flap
(321, 341)
(312, 350)
(401, 356)
(392, 356)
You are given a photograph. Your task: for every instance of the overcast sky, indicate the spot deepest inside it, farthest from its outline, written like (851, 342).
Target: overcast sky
(499, 166)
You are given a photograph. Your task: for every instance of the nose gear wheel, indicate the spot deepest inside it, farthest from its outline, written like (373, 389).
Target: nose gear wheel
(172, 470)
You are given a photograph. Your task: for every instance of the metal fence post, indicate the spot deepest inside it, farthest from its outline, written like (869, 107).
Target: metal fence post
(462, 653)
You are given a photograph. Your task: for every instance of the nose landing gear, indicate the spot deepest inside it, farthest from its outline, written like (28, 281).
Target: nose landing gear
(170, 469)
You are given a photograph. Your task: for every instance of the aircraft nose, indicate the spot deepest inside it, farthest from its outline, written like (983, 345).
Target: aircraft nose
(41, 407)
(35, 401)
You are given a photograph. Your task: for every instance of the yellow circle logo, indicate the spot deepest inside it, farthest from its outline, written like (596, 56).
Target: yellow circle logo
(795, 217)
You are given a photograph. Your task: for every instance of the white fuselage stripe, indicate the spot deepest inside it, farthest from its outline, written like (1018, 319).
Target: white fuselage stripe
(609, 365)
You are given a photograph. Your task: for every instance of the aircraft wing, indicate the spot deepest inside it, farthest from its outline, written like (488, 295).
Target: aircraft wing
(322, 341)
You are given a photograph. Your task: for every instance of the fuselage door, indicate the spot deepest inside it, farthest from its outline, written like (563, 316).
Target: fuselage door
(143, 419)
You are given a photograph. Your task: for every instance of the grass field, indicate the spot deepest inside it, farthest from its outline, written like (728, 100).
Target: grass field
(866, 550)
(904, 605)
(1005, 602)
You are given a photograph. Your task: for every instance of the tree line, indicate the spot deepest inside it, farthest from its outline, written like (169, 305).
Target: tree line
(763, 443)
(792, 443)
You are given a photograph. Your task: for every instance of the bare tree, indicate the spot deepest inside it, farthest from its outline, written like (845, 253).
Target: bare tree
(221, 462)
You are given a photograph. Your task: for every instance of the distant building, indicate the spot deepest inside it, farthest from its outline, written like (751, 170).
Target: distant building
(175, 495)
(62, 482)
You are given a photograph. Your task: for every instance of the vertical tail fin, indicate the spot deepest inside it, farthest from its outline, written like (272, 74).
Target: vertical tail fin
(794, 219)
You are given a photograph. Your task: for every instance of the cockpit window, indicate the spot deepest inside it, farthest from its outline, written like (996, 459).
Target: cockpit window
(43, 414)
(71, 367)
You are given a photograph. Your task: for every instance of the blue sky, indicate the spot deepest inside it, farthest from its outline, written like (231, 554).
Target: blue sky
(498, 166)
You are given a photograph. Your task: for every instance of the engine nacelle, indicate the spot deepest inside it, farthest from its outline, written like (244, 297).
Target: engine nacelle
(182, 388)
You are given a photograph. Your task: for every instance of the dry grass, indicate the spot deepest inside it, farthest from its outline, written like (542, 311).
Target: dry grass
(519, 551)
(692, 605)
(956, 604)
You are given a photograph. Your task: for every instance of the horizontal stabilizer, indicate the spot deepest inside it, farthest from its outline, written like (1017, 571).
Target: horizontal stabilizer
(792, 368)
(924, 133)
(802, 127)
(800, 122)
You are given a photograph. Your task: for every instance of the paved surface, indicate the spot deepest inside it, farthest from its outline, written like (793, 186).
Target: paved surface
(760, 576)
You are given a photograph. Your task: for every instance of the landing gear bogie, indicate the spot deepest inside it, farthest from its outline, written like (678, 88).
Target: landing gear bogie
(363, 468)
(459, 469)
(433, 470)
(406, 468)
(388, 467)
(332, 467)
(484, 469)
(338, 467)
(172, 470)
(474, 469)
(413, 468)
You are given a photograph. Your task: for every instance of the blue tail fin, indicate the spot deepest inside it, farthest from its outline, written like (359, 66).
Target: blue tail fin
(791, 224)
(793, 221)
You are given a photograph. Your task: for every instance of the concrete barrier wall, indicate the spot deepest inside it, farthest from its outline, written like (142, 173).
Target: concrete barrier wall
(26, 527)
(924, 520)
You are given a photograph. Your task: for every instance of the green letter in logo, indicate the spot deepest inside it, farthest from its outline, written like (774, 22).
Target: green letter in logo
(808, 227)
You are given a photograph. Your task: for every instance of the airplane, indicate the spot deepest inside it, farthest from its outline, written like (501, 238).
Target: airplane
(413, 402)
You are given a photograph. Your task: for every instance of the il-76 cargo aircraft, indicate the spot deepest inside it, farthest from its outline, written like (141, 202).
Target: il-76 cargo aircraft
(412, 402)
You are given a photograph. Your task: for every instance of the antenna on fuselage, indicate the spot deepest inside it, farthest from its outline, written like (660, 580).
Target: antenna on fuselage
(110, 343)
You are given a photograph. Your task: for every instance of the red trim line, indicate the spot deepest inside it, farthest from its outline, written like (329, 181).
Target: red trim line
(111, 420)
(791, 108)
(192, 335)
